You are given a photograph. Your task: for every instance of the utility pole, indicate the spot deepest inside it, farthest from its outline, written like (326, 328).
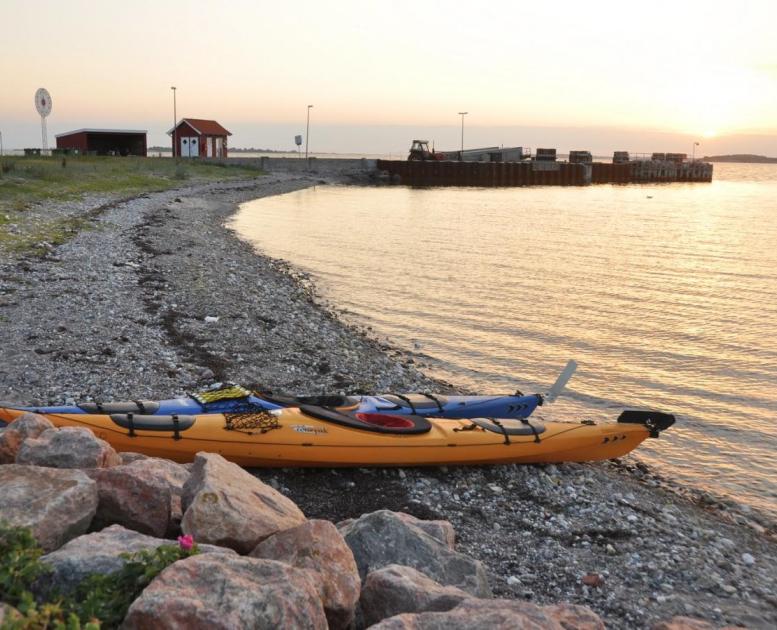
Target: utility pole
(307, 137)
(462, 114)
(175, 119)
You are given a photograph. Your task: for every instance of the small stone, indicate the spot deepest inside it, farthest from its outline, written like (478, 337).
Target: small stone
(593, 579)
(513, 581)
(748, 559)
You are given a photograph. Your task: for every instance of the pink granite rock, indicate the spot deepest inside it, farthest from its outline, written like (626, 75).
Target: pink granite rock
(56, 505)
(318, 546)
(398, 589)
(224, 505)
(138, 496)
(68, 447)
(218, 591)
(29, 425)
(684, 623)
(494, 614)
(575, 617)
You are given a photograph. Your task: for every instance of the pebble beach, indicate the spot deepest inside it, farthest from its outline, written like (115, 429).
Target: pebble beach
(156, 298)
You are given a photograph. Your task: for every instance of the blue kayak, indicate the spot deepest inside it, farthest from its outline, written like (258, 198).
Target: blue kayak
(231, 398)
(432, 405)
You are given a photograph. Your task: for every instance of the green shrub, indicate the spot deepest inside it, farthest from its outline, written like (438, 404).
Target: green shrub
(100, 601)
(20, 563)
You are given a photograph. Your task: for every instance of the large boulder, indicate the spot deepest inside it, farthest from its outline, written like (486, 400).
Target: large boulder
(57, 505)
(29, 425)
(144, 495)
(68, 447)
(98, 552)
(383, 538)
(494, 614)
(219, 591)
(318, 546)
(396, 589)
(224, 505)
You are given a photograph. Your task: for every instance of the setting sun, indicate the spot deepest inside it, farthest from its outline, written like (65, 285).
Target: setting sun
(710, 133)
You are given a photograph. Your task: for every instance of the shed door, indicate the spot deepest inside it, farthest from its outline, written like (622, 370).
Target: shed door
(209, 146)
(185, 152)
(219, 147)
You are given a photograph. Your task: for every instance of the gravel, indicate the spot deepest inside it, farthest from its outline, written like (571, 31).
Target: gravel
(158, 298)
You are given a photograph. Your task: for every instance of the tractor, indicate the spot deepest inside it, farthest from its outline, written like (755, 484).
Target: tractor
(420, 152)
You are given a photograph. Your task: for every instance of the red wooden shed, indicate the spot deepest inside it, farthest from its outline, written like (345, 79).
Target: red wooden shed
(104, 141)
(196, 137)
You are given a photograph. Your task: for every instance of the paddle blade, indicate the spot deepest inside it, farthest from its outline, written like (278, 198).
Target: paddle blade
(561, 381)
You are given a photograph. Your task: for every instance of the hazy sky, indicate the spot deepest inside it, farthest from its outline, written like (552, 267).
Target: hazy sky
(626, 75)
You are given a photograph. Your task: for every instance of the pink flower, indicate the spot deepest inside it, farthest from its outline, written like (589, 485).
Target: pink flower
(186, 542)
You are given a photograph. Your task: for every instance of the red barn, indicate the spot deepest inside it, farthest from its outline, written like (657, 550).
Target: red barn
(104, 141)
(195, 137)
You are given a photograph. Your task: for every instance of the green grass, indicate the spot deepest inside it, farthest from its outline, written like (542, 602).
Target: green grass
(26, 181)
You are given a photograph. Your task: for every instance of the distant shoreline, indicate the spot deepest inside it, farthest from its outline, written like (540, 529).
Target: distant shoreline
(743, 158)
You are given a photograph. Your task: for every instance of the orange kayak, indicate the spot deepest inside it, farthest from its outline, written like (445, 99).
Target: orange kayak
(318, 436)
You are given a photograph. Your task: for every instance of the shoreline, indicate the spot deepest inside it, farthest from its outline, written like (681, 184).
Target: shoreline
(119, 311)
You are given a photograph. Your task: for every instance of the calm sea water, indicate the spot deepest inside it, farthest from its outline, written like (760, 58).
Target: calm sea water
(665, 294)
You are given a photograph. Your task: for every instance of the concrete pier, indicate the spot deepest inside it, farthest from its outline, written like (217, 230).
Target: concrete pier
(539, 173)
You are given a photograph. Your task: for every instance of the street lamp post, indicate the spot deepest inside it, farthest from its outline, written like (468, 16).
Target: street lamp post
(462, 114)
(307, 136)
(175, 119)
(1, 143)
(693, 152)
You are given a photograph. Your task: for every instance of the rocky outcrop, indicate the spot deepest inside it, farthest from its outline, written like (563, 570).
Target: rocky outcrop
(29, 425)
(219, 591)
(144, 495)
(383, 538)
(224, 505)
(397, 589)
(57, 505)
(99, 552)
(68, 447)
(494, 614)
(318, 546)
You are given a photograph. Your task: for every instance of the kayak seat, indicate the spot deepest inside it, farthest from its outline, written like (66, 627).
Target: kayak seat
(174, 423)
(134, 406)
(316, 401)
(377, 422)
(510, 426)
(421, 402)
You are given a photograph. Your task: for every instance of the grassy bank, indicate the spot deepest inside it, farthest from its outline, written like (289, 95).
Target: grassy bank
(27, 182)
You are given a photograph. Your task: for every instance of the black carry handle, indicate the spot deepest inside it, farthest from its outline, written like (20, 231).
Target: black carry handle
(654, 421)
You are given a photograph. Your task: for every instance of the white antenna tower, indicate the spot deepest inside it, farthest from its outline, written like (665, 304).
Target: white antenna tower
(43, 105)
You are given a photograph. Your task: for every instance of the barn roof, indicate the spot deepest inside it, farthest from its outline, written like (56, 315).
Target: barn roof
(203, 127)
(70, 133)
